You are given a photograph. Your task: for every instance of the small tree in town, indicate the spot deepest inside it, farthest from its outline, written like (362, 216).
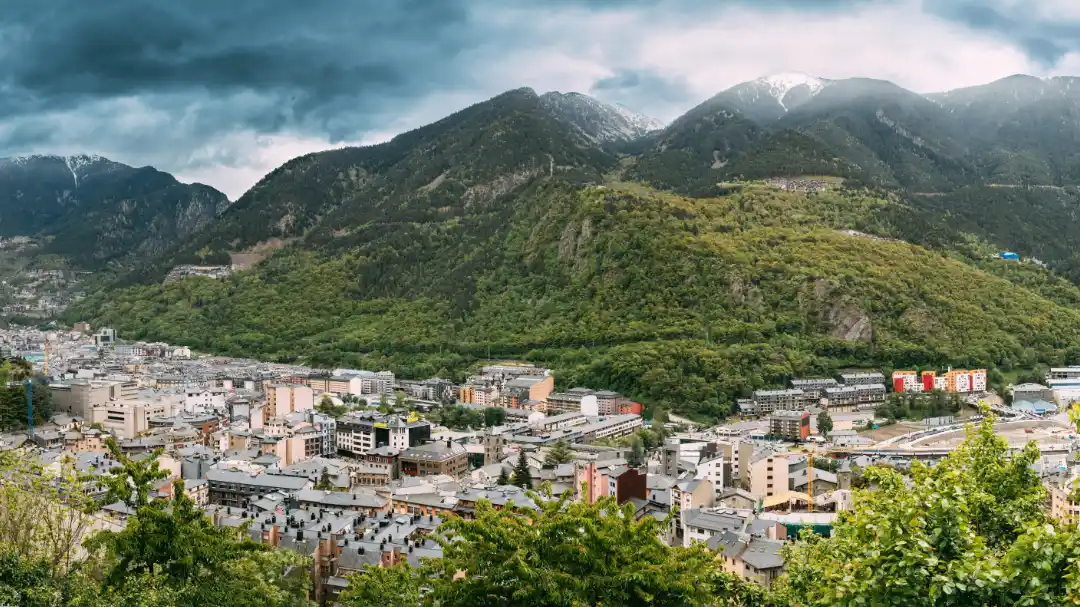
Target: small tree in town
(494, 416)
(325, 482)
(522, 476)
(559, 453)
(504, 478)
(824, 423)
(637, 453)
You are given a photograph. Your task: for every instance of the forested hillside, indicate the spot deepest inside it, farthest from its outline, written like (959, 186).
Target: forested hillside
(685, 302)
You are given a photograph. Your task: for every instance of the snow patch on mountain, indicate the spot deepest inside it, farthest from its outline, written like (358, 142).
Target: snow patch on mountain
(638, 121)
(79, 165)
(598, 121)
(779, 85)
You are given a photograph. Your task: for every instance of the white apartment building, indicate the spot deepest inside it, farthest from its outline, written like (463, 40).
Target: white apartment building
(204, 399)
(128, 418)
(963, 382)
(712, 470)
(978, 381)
(912, 380)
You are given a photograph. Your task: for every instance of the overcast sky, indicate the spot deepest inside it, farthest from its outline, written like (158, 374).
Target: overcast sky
(223, 91)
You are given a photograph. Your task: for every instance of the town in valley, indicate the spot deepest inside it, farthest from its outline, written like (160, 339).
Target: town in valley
(356, 468)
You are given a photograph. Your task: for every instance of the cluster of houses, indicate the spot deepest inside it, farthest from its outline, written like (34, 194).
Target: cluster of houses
(521, 386)
(367, 483)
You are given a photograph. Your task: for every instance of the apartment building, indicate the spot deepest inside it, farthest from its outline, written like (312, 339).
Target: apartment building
(906, 381)
(484, 392)
(769, 472)
(1062, 507)
(813, 388)
(609, 427)
(127, 418)
(429, 389)
(767, 401)
(856, 379)
(858, 397)
(358, 433)
(560, 421)
(432, 459)
(790, 425)
(238, 489)
(527, 388)
(714, 469)
(298, 445)
(204, 399)
(567, 402)
(689, 494)
(703, 524)
(80, 396)
(319, 383)
(955, 380)
(283, 399)
(364, 501)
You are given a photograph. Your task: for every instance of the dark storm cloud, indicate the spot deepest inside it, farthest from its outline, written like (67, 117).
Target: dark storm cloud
(307, 56)
(190, 84)
(315, 60)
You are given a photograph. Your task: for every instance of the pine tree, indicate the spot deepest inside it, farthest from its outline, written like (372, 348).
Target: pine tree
(559, 453)
(325, 482)
(504, 478)
(636, 458)
(522, 476)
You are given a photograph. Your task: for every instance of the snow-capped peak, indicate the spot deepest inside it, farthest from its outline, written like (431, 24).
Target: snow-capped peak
(639, 121)
(779, 85)
(77, 164)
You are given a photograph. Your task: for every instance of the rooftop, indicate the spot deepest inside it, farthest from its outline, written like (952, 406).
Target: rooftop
(435, 452)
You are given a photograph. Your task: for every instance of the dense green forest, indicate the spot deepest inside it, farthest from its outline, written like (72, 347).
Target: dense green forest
(684, 303)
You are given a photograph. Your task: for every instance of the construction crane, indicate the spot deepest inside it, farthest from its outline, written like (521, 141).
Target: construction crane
(810, 473)
(29, 408)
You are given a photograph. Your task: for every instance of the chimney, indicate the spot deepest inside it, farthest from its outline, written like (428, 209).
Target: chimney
(300, 535)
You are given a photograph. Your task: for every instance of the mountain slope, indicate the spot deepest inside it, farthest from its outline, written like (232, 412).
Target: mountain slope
(767, 99)
(1025, 130)
(450, 175)
(681, 302)
(597, 121)
(95, 211)
(691, 154)
(894, 136)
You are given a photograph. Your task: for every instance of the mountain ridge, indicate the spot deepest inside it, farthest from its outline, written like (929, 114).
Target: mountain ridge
(683, 267)
(96, 211)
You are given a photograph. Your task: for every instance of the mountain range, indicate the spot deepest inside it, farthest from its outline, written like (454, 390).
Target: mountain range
(95, 211)
(787, 226)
